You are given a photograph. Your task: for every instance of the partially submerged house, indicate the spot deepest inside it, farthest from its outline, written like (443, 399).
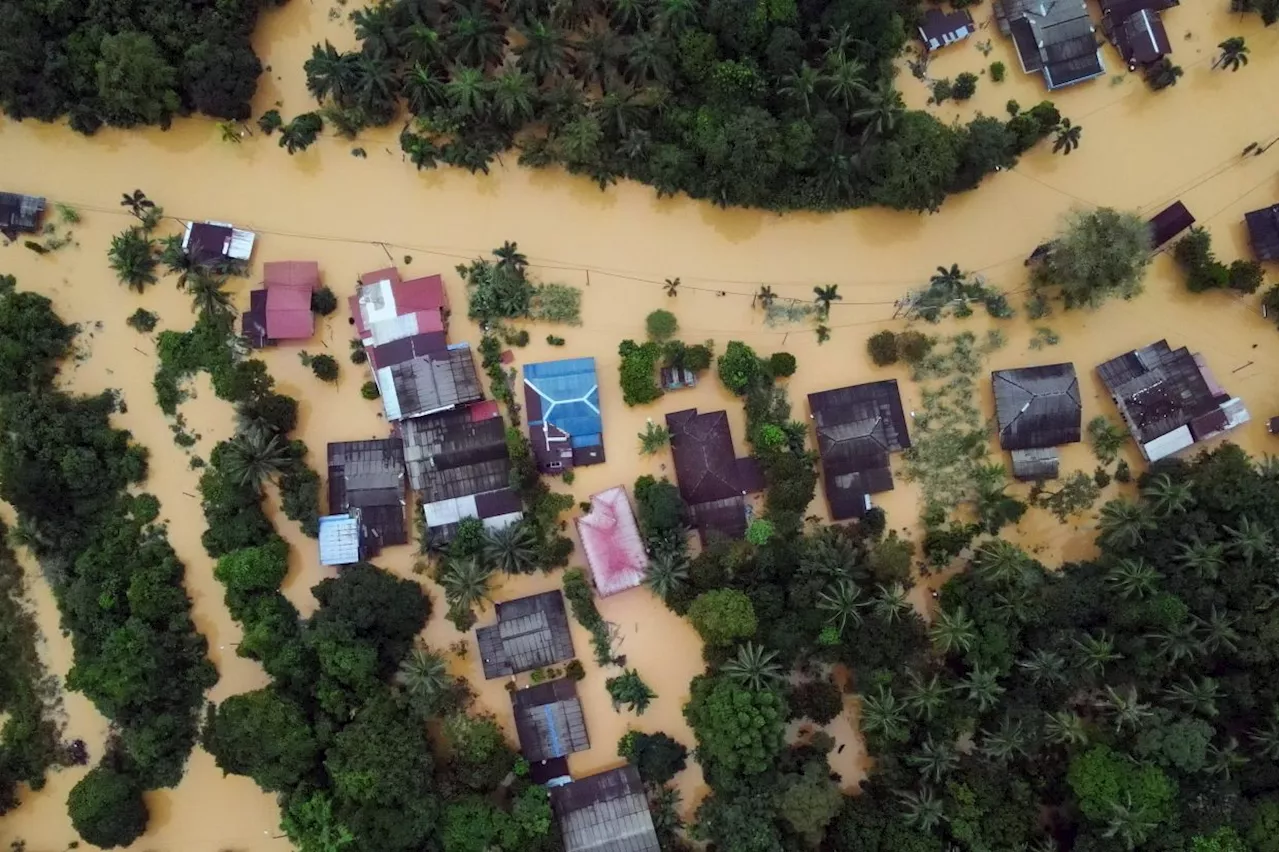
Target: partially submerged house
(1169, 399)
(366, 482)
(1037, 409)
(282, 310)
(531, 633)
(386, 308)
(1136, 29)
(1055, 38)
(677, 378)
(436, 381)
(713, 481)
(20, 214)
(938, 29)
(858, 428)
(605, 812)
(562, 401)
(611, 542)
(549, 721)
(457, 461)
(214, 243)
(339, 540)
(1264, 233)
(1168, 223)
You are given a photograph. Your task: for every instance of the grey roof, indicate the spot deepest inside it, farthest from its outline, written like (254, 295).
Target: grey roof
(1158, 389)
(1055, 37)
(549, 720)
(858, 427)
(366, 478)
(606, 812)
(453, 441)
(429, 383)
(1264, 232)
(20, 212)
(1037, 406)
(1030, 465)
(531, 633)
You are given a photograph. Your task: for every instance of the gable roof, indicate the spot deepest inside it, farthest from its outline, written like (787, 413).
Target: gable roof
(366, 478)
(531, 632)
(429, 383)
(605, 812)
(549, 720)
(1143, 38)
(1037, 406)
(938, 29)
(1035, 464)
(386, 308)
(563, 403)
(611, 542)
(1168, 223)
(1264, 232)
(20, 213)
(858, 427)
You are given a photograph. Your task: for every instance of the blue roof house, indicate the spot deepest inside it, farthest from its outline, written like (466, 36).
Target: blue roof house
(562, 399)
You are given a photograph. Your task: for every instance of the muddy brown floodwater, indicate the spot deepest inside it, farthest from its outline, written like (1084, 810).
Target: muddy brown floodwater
(1139, 150)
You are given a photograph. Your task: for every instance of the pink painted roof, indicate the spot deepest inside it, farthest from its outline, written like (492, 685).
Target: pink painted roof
(481, 411)
(289, 314)
(306, 272)
(389, 273)
(612, 543)
(420, 294)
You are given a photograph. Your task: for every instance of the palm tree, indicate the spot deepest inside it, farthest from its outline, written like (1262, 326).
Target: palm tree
(672, 285)
(468, 91)
(952, 631)
(890, 602)
(1000, 561)
(1163, 74)
(138, 204)
(629, 15)
(1096, 652)
(1128, 824)
(842, 601)
(1124, 707)
(1133, 578)
(616, 111)
(132, 258)
(934, 760)
(801, 86)
(882, 713)
(982, 687)
(754, 667)
(376, 29)
(1178, 642)
(1234, 54)
(1267, 738)
(596, 56)
(255, 456)
(1067, 138)
(843, 80)
(1204, 560)
(948, 282)
(422, 45)
(231, 131)
(209, 295)
(676, 15)
(475, 38)
(1044, 666)
(1065, 728)
(824, 296)
(654, 438)
(627, 688)
(1123, 523)
(1251, 540)
(424, 674)
(667, 573)
(664, 807)
(544, 52)
(510, 257)
(423, 90)
(1165, 497)
(1223, 760)
(925, 697)
(1219, 631)
(511, 549)
(1005, 742)
(1017, 603)
(176, 259)
(884, 106)
(765, 297)
(646, 59)
(466, 583)
(329, 73)
(1196, 695)
(375, 86)
(923, 810)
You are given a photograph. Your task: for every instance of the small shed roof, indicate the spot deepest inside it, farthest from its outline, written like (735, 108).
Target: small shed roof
(20, 213)
(605, 812)
(339, 540)
(1037, 406)
(1168, 223)
(1036, 464)
(612, 543)
(531, 632)
(549, 720)
(207, 242)
(253, 322)
(938, 29)
(1142, 37)
(1264, 232)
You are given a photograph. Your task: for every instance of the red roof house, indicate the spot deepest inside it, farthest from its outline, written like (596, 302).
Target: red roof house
(387, 309)
(289, 286)
(612, 543)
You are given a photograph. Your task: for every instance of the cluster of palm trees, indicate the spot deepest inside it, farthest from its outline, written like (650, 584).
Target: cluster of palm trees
(511, 549)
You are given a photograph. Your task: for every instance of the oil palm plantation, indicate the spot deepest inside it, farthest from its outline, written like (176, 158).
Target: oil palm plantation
(934, 760)
(883, 714)
(1196, 695)
(1204, 559)
(882, 108)
(1067, 137)
(675, 16)
(374, 86)
(132, 258)
(667, 574)
(891, 602)
(596, 57)
(982, 687)
(754, 667)
(1165, 497)
(824, 295)
(423, 90)
(475, 37)
(468, 92)
(953, 631)
(1044, 666)
(330, 73)
(420, 44)
(646, 59)
(628, 16)
(1122, 523)
(922, 810)
(1065, 728)
(511, 549)
(1133, 579)
(255, 456)
(545, 51)
(466, 583)
(209, 296)
(1233, 54)
(376, 29)
(842, 602)
(925, 695)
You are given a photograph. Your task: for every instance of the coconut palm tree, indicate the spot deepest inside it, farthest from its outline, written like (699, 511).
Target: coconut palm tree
(655, 437)
(1044, 666)
(1219, 631)
(176, 259)
(475, 37)
(1005, 742)
(424, 674)
(1267, 738)
(1017, 603)
(1197, 695)
(209, 294)
(1067, 138)
(465, 582)
(922, 810)
(1122, 523)
(628, 689)
(1234, 54)
(511, 549)
(664, 806)
(255, 456)
(765, 296)
(1204, 559)
(1163, 74)
(843, 80)
(925, 697)
(672, 286)
(949, 282)
(1133, 578)
(1095, 652)
(884, 106)
(1251, 540)
(1225, 759)
(982, 687)
(329, 73)
(934, 760)
(842, 602)
(754, 667)
(132, 258)
(1124, 707)
(801, 86)
(882, 713)
(1128, 824)
(647, 59)
(668, 571)
(1165, 497)
(1000, 561)
(1178, 642)
(890, 602)
(1065, 728)
(138, 203)
(510, 257)
(952, 631)
(544, 52)
(824, 296)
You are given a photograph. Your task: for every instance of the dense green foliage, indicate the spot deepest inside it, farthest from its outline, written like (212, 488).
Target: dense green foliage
(124, 65)
(1098, 254)
(722, 616)
(638, 371)
(657, 757)
(786, 105)
(739, 730)
(107, 809)
(1194, 253)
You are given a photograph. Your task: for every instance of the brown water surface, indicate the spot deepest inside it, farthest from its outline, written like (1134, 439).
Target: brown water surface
(1139, 150)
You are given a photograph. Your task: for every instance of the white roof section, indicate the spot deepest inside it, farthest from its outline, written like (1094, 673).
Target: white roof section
(339, 540)
(1168, 443)
(377, 302)
(457, 509)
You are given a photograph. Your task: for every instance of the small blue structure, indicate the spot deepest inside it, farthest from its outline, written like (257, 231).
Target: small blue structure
(339, 540)
(562, 399)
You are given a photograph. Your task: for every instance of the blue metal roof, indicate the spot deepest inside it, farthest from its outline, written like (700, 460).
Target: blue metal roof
(570, 398)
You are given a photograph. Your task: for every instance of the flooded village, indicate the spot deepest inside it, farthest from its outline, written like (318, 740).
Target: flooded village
(412, 440)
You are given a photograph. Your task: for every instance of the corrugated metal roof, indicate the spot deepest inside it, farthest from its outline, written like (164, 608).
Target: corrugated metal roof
(605, 812)
(858, 427)
(1030, 465)
(1037, 406)
(549, 720)
(20, 213)
(611, 542)
(339, 540)
(562, 399)
(532, 632)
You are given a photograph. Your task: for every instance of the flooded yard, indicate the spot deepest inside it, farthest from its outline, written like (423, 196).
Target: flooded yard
(1139, 151)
